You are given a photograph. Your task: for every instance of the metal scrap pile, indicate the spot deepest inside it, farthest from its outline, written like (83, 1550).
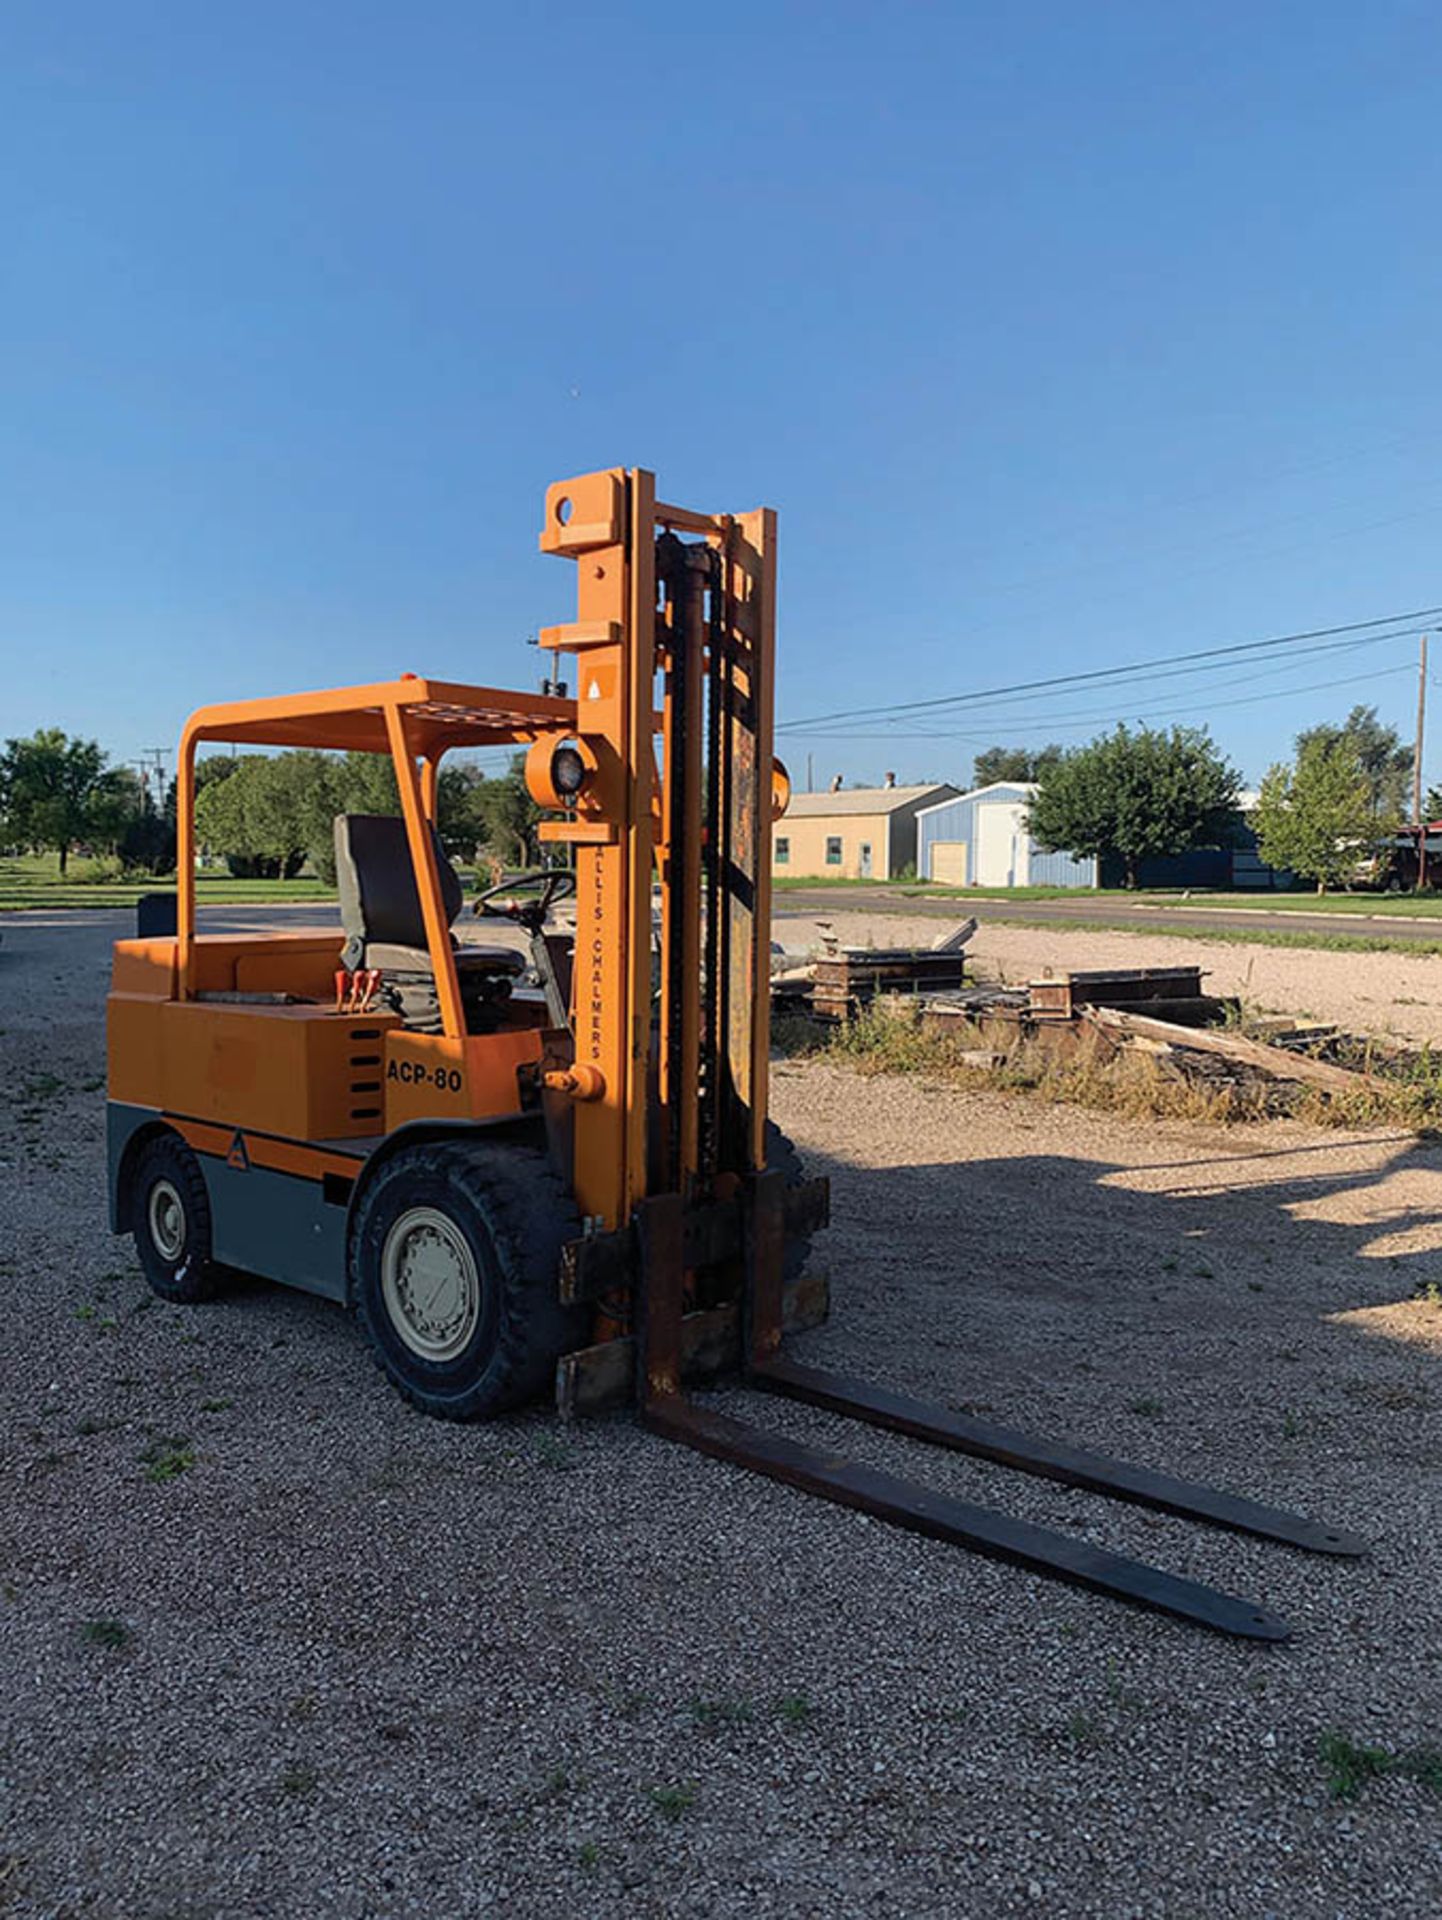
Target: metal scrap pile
(840, 981)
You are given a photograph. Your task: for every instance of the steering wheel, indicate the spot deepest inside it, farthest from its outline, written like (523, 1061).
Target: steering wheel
(548, 884)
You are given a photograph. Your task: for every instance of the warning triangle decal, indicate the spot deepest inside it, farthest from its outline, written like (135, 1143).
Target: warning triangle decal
(238, 1157)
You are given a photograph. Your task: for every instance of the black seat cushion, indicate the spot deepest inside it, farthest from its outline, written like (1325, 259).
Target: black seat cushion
(395, 959)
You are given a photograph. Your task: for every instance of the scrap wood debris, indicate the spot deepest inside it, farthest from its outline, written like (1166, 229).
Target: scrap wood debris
(1161, 1011)
(1239, 1048)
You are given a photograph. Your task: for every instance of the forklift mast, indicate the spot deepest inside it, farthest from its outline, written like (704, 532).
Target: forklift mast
(670, 774)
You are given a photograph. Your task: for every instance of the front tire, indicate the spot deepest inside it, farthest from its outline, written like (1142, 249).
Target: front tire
(454, 1261)
(170, 1219)
(782, 1158)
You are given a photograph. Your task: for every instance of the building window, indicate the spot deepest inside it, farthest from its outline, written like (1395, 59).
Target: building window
(833, 850)
(783, 853)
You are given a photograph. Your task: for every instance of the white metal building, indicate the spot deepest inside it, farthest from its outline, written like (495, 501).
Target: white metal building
(980, 839)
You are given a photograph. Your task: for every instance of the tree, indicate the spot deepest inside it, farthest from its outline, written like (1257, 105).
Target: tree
(460, 809)
(146, 841)
(354, 783)
(1025, 764)
(147, 844)
(215, 766)
(268, 812)
(55, 791)
(366, 783)
(1432, 805)
(1386, 764)
(509, 815)
(1138, 795)
(1315, 815)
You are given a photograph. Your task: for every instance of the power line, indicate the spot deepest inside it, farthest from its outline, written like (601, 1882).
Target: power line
(905, 726)
(1105, 673)
(1165, 668)
(1155, 713)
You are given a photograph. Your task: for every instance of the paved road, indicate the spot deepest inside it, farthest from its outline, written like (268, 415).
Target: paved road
(1151, 916)
(102, 925)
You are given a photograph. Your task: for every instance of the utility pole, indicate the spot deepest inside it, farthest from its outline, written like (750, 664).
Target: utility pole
(808, 773)
(1417, 768)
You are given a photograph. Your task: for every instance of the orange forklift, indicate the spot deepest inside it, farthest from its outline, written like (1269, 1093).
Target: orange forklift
(546, 1161)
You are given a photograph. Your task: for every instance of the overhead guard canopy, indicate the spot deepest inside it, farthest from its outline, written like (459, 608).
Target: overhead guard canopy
(439, 717)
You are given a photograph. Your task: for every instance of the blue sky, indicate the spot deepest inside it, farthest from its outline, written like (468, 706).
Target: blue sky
(1061, 336)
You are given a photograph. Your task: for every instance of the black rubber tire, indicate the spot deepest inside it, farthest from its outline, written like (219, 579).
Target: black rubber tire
(515, 1214)
(189, 1275)
(782, 1157)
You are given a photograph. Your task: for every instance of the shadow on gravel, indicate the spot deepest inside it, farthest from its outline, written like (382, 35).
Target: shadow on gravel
(1265, 1246)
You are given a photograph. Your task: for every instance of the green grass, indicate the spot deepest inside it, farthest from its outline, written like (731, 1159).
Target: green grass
(33, 882)
(1404, 906)
(1426, 906)
(1240, 937)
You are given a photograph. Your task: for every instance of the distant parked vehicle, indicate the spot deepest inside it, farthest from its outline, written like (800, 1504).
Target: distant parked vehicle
(1391, 865)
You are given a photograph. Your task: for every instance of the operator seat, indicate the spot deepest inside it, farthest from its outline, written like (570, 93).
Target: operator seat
(380, 910)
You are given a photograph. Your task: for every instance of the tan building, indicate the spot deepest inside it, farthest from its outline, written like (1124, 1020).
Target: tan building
(855, 833)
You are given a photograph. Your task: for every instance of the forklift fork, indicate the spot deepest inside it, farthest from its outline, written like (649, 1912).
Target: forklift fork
(668, 1412)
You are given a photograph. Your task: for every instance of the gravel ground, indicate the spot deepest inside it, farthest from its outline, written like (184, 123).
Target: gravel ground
(1396, 993)
(374, 1666)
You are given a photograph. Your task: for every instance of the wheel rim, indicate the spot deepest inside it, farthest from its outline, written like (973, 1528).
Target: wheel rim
(165, 1212)
(430, 1284)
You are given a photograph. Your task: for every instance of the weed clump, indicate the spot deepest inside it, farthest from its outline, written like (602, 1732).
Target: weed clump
(675, 1800)
(111, 1634)
(167, 1459)
(723, 1712)
(1350, 1766)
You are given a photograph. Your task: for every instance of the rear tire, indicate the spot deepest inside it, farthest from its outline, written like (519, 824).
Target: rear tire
(454, 1261)
(170, 1219)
